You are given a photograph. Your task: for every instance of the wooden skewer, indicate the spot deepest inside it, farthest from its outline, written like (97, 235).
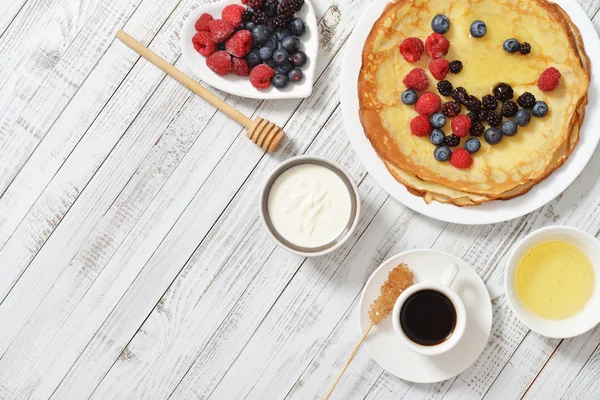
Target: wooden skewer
(263, 133)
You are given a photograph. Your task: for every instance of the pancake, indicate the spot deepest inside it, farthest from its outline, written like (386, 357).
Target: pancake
(515, 165)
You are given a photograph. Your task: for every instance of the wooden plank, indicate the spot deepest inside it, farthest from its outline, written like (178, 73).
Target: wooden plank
(8, 12)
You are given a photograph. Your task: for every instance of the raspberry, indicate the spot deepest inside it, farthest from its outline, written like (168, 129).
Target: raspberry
(459, 94)
(452, 140)
(420, 126)
(202, 23)
(526, 100)
(220, 30)
(219, 62)
(412, 49)
(509, 109)
(239, 67)
(437, 45)
(461, 158)
(451, 109)
(203, 43)
(549, 80)
(456, 66)
(428, 104)
(417, 80)
(477, 129)
(233, 14)
(261, 76)
(490, 103)
(244, 1)
(239, 44)
(461, 126)
(439, 68)
(445, 88)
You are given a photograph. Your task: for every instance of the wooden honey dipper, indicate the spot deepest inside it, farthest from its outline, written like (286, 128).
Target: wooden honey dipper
(262, 132)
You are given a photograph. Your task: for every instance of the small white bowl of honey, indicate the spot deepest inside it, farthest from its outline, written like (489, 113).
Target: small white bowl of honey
(552, 281)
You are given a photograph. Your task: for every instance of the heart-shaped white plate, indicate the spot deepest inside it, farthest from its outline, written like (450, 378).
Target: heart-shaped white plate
(241, 86)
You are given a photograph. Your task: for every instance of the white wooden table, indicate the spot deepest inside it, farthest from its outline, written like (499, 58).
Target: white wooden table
(133, 263)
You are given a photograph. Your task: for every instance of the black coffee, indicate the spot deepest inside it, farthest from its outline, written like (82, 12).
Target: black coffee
(428, 317)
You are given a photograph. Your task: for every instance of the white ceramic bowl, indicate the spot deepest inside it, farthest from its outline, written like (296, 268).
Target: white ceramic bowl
(241, 86)
(589, 317)
(354, 214)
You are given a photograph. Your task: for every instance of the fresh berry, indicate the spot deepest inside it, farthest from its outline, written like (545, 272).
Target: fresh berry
(244, 2)
(203, 43)
(445, 88)
(297, 26)
(412, 49)
(239, 44)
(220, 30)
(291, 44)
(477, 129)
(220, 46)
(417, 80)
(271, 43)
(202, 23)
(511, 45)
(282, 33)
(266, 53)
(280, 56)
(280, 81)
(278, 23)
(472, 103)
(409, 97)
(239, 67)
(299, 59)
(494, 119)
(525, 48)
(478, 29)
(253, 58)
(247, 18)
(270, 8)
(523, 117)
(451, 109)
(472, 145)
(483, 115)
(284, 68)
(549, 80)
(271, 63)
(428, 104)
(540, 109)
(440, 24)
(503, 92)
(219, 62)
(437, 137)
(249, 25)
(474, 116)
(233, 14)
(459, 94)
(261, 76)
(461, 158)
(256, 4)
(438, 120)
(260, 34)
(439, 68)
(259, 17)
(509, 128)
(442, 153)
(526, 100)
(509, 109)
(452, 140)
(436, 45)
(461, 126)
(493, 135)
(489, 102)
(420, 126)
(295, 75)
(289, 7)
(456, 66)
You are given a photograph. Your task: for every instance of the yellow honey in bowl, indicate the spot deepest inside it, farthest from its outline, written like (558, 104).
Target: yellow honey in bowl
(555, 280)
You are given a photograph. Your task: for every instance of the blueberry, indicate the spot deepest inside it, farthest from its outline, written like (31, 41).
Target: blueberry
(281, 33)
(478, 29)
(290, 44)
(296, 75)
(493, 135)
(512, 45)
(437, 137)
(438, 120)
(266, 53)
(409, 97)
(284, 67)
(473, 145)
(299, 59)
(272, 43)
(440, 24)
(253, 58)
(271, 63)
(509, 128)
(523, 117)
(280, 56)
(248, 25)
(280, 81)
(260, 34)
(442, 153)
(540, 109)
(297, 26)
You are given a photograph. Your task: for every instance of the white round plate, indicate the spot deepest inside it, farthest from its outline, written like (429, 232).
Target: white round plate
(387, 349)
(495, 211)
(241, 86)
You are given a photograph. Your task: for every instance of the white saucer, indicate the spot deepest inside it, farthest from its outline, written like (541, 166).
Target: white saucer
(385, 347)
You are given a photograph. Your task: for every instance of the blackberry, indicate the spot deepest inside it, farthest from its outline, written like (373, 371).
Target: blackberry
(459, 94)
(472, 103)
(526, 100)
(474, 116)
(289, 7)
(503, 92)
(271, 8)
(483, 115)
(494, 119)
(509, 109)
(452, 140)
(489, 102)
(278, 23)
(525, 48)
(445, 88)
(259, 18)
(256, 4)
(451, 109)
(247, 15)
(477, 129)
(456, 66)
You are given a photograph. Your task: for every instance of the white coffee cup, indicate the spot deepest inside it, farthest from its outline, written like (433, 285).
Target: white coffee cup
(461, 315)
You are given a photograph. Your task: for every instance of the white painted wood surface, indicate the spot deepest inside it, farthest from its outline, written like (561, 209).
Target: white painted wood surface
(133, 262)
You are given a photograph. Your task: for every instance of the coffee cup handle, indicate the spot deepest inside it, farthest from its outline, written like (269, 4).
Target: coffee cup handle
(450, 275)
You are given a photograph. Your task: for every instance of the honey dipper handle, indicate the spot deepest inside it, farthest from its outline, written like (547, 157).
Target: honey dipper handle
(183, 79)
(337, 379)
